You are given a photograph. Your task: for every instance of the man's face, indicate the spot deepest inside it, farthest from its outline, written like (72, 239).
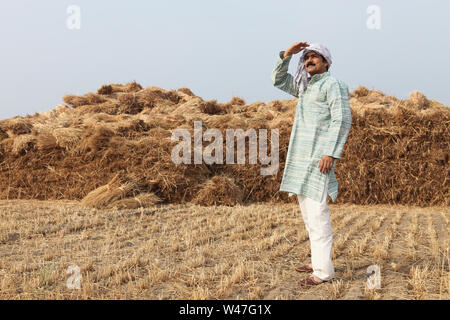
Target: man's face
(314, 63)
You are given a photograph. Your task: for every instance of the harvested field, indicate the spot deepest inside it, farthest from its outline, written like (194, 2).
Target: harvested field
(186, 251)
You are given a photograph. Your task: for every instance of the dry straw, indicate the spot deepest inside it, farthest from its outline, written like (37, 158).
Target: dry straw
(23, 143)
(397, 150)
(106, 195)
(219, 190)
(143, 200)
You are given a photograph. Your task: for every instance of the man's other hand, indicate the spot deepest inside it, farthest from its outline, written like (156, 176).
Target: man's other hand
(326, 163)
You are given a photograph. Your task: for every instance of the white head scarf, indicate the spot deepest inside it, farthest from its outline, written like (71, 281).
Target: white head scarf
(301, 76)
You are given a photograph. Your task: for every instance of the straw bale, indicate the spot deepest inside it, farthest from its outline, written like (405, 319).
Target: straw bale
(175, 183)
(146, 141)
(102, 117)
(17, 126)
(237, 101)
(189, 109)
(238, 121)
(277, 105)
(116, 189)
(95, 139)
(361, 91)
(111, 89)
(129, 103)
(157, 121)
(186, 91)
(265, 113)
(67, 138)
(151, 97)
(418, 100)
(283, 126)
(75, 101)
(142, 200)
(105, 90)
(170, 121)
(132, 127)
(133, 87)
(91, 121)
(39, 127)
(160, 133)
(110, 106)
(117, 87)
(219, 190)
(94, 98)
(212, 107)
(48, 114)
(46, 140)
(219, 121)
(374, 97)
(87, 99)
(23, 143)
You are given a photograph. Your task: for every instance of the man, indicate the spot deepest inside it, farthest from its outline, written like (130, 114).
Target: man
(320, 129)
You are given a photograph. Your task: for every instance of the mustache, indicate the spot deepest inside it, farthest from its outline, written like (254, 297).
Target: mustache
(310, 64)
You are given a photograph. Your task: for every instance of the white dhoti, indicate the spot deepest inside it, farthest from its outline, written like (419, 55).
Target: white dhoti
(316, 216)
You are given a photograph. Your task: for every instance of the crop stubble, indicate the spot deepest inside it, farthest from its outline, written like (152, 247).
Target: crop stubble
(194, 252)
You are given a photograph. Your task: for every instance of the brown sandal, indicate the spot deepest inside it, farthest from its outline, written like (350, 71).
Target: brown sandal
(304, 269)
(308, 282)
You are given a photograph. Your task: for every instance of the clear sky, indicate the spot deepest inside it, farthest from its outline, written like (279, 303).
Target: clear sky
(217, 48)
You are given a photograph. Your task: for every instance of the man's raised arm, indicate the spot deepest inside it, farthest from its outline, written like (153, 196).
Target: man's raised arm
(280, 76)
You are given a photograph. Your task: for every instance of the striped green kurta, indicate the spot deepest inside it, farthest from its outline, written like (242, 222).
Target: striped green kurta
(321, 126)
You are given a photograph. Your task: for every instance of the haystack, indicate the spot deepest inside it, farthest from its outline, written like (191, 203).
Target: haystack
(142, 200)
(397, 150)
